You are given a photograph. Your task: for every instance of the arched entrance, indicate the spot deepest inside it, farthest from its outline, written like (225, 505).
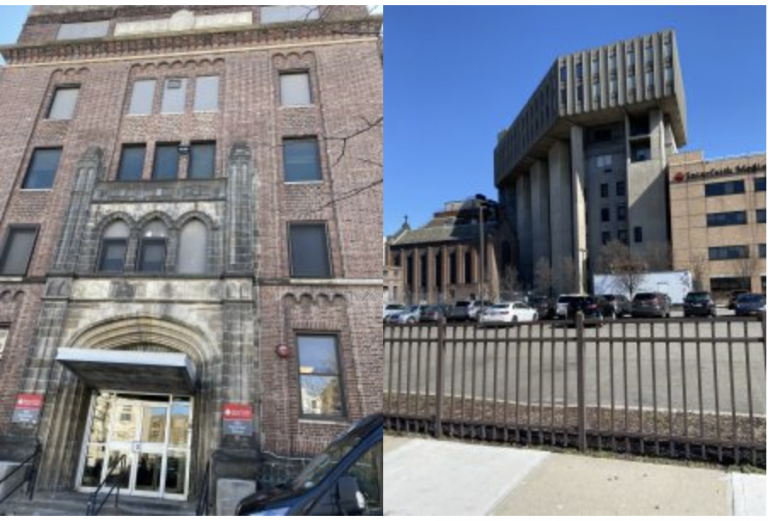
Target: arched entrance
(131, 389)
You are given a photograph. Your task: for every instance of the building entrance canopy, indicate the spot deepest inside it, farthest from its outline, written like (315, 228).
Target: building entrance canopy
(166, 373)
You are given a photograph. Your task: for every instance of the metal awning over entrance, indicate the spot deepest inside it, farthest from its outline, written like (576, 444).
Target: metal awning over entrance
(135, 371)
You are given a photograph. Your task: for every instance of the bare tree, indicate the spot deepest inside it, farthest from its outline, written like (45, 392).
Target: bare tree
(747, 268)
(613, 256)
(628, 271)
(543, 277)
(699, 266)
(510, 283)
(566, 276)
(658, 256)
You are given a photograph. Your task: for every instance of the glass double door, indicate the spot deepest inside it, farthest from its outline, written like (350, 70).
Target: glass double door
(152, 432)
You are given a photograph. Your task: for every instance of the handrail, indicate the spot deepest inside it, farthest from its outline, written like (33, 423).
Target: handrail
(203, 502)
(94, 510)
(30, 475)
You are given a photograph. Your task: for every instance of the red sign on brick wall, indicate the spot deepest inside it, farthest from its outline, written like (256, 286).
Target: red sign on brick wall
(27, 408)
(238, 419)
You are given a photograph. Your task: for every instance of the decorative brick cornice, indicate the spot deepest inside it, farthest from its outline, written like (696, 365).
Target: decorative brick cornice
(186, 42)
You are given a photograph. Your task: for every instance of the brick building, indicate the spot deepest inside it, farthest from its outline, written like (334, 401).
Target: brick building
(717, 213)
(181, 200)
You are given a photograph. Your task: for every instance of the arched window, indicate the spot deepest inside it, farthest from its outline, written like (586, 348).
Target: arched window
(152, 247)
(192, 247)
(114, 243)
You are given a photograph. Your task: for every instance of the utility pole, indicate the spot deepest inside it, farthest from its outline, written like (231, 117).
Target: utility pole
(481, 198)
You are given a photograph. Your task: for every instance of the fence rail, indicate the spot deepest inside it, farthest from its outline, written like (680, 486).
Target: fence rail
(683, 388)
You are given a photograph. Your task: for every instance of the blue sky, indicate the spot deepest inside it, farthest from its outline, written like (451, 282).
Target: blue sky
(455, 76)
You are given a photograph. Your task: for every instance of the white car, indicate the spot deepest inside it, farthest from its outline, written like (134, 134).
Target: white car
(391, 309)
(508, 313)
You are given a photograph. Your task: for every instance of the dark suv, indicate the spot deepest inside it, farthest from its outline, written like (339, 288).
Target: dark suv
(735, 295)
(699, 303)
(651, 305)
(615, 306)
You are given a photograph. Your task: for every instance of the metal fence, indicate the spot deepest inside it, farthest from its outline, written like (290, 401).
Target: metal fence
(683, 388)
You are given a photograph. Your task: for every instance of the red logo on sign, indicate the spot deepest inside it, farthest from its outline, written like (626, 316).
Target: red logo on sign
(679, 177)
(29, 401)
(238, 411)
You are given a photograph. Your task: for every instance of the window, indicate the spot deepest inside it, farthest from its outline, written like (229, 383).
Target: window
(294, 89)
(760, 184)
(606, 237)
(614, 92)
(114, 244)
(604, 161)
(602, 135)
(579, 70)
(64, 101)
(726, 219)
(468, 271)
(612, 62)
(81, 31)
(596, 92)
(301, 160)
(563, 73)
(640, 150)
(580, 93)
(723, 284)
(152, 248)
(192, 248)
(668, 78)
(166, 162)
(728, 252)
(761, 250)
(639, 126)
(726, 188)
(638, 234)
(649, 80)
(42, 168)
(293, 13)
(17, 250)
(605, 215)
(319, 376)
(623, 237)
(368, 471)
(630, 58)
(604, 190)
(563, 96)
(309, 251)
(131, 163)
(631, 84)
(761, 215)
(142, 97)
(202, 160)
(174, 96)
(621, 189)
(621, 213)
(206, 94)
(3, 340)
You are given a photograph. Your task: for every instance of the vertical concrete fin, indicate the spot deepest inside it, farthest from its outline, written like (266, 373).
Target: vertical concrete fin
(240, 220)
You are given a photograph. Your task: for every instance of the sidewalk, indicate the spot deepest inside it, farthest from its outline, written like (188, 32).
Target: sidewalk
(430, 477)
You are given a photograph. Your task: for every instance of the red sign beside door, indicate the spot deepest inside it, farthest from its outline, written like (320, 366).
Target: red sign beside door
(27, 408)
(238, 411)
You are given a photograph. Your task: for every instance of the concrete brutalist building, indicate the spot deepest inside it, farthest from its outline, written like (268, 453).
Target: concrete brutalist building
(585, 161)
(189, 270)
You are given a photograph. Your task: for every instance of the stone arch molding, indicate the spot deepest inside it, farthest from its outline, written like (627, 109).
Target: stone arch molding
(126, 331)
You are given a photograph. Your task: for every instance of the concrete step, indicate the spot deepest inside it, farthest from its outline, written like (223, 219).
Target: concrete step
(75, 504)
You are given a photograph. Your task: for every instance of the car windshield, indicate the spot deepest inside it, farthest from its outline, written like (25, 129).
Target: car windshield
(462, 304)
(645, 296)
(413, 308)
(750, 298)
(324, 463)
(394, 306)
(500, 306)
(697, 297)
(566, 300)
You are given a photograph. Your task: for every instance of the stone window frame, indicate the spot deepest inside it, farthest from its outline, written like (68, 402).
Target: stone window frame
(4, 249)
(326, 227)
(163, 72)
(302, 332)
(52, 101)
(135, 227)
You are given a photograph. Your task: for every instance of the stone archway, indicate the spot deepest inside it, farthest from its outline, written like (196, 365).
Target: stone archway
(64, 421)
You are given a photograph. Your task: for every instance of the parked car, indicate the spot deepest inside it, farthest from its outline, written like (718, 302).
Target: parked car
(467, 310)
(614, 306)
(562, 304)
(734, 295)
(433, 313)
(508, 313)
(589, 306)
(750, 304)
(653, 304)
(391, 309)
(346, 479)
(409, 316)
(699, 303)
(545, 307)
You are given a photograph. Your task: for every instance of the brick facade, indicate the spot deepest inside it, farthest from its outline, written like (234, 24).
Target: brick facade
(245, 303)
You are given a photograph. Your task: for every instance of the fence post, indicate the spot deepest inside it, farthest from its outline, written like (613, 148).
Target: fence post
(581, 441)
(439, 376)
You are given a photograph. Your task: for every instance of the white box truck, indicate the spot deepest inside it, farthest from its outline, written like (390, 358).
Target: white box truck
(676, 284)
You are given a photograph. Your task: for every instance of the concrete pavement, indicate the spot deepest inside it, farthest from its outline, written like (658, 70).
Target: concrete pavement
(429, 477)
